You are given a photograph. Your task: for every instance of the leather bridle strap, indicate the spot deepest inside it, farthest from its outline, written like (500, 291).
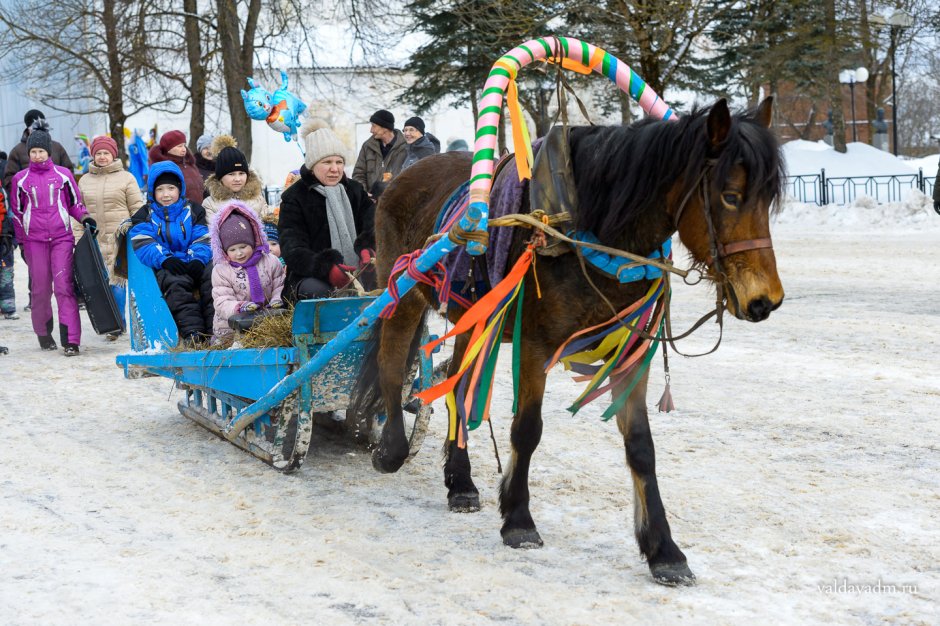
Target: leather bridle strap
(727, 249)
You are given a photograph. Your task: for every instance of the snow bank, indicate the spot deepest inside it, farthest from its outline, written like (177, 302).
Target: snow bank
(809, 157)
(915, 212)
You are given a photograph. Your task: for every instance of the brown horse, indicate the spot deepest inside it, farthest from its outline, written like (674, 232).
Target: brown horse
(711, 176)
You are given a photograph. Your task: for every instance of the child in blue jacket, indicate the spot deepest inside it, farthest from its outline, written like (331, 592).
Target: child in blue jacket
(170, 235)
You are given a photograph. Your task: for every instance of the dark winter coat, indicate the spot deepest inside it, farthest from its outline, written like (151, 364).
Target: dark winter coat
(424, 146)
(179, 230)
(205, 166)
(18, 159)
(304, 230)
(375, 173)
(187, 164)
(936, 188)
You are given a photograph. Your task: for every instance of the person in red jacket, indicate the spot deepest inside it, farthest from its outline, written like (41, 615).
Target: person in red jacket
(172, 147)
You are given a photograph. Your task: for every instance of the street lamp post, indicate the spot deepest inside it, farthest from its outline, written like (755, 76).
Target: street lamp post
(897, 20)
(850, 77)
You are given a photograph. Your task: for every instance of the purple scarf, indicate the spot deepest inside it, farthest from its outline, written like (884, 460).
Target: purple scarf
(254, 279)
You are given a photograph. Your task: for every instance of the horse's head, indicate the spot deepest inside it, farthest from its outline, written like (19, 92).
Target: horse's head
(723, 209)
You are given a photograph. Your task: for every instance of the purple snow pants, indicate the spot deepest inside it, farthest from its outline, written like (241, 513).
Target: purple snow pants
(50, 270)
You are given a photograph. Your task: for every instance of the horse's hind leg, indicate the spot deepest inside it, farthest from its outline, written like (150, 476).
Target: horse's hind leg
(398, 333)
(666, 561)
(518, 529)
(462, 494)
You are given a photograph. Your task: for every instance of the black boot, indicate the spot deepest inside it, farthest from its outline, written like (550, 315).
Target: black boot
(47, 342)
(71, 349)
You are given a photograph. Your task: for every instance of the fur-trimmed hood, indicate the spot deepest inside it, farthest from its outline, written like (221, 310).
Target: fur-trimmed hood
(220, 193)
(261, 240)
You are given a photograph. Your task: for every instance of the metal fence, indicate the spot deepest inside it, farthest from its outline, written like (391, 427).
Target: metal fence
(822, 190)
(811, 188)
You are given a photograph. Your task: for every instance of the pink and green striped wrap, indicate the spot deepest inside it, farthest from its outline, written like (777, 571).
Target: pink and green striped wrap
(572, 54)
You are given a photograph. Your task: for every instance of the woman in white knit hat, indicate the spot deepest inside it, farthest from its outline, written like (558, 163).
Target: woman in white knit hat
(326, 219)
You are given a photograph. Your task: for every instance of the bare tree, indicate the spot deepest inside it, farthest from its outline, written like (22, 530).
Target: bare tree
(86, 56)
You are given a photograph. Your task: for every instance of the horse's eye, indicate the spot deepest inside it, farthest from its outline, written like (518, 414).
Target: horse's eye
(731, 200)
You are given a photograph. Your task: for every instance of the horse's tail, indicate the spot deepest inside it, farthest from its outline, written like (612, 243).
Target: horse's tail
(366, 399)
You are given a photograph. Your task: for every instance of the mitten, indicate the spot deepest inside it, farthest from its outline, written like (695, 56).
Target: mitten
(6, 245)
(194, 268)
(339, 276)
(90, 223)
(248, 307)
(174, 266)
(366, 257)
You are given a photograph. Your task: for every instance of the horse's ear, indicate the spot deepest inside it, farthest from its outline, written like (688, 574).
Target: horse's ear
(719, 123)
(765, 111)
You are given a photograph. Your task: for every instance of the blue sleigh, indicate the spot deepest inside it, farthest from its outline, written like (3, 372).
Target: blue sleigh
(219, 385)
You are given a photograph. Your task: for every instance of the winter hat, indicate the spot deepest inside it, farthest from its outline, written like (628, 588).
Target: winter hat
(228, 158)
(103, 142)
(456, 145)
(384, 119)
(168, 178)
(39, 136)
(415, 122)
(270, 230)
(321, 142)
(31, 116)
(203, 142)
(171, 139)
(236, 229)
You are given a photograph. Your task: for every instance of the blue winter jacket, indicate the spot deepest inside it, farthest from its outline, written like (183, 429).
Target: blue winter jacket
(179, 229)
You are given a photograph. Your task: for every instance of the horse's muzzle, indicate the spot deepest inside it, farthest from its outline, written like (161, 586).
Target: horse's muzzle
(759, 309)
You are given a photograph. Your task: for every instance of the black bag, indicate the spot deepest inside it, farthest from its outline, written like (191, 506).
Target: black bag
(92, 279)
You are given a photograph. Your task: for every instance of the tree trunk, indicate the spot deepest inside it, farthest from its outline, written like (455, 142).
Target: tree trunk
(115, 87)
(197, 88)
(233, 71)
(834, 87)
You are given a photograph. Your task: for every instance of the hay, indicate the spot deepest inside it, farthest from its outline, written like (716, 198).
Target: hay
(273, 331)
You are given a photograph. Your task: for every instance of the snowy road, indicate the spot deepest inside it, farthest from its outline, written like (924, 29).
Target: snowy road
(802, 463)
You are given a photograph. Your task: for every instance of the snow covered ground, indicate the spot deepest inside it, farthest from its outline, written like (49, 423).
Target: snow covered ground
(800, 473)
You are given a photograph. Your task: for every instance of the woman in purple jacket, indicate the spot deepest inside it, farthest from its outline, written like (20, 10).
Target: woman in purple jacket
(42, 198)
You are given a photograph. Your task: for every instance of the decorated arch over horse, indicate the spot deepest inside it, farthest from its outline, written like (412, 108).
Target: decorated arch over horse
(572, 54)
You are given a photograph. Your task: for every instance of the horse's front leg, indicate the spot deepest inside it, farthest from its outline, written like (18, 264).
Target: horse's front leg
(666, 562)
(462, 494)
(518, 527)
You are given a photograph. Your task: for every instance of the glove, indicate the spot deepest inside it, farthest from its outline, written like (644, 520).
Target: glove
(6, 245)
(339, 276)
(276, 304)
(194, 269)
(936, 206)
(90, 223)
(174, 266)
(248, 307)
(366, 257)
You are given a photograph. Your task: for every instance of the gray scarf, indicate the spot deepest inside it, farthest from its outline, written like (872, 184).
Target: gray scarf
(342, 225)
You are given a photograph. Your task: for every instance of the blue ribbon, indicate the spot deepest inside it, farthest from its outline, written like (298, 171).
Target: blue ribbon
(624, 270)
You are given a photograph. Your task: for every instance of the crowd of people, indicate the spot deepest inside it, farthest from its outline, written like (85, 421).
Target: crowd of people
(201, 223)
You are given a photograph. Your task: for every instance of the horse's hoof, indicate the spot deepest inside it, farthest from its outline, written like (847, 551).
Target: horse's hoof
(385, 465)
(672, 574)
(468, 502)
(522, 538)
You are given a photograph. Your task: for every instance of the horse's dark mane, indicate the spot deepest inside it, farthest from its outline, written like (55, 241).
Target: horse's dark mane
(624, 172)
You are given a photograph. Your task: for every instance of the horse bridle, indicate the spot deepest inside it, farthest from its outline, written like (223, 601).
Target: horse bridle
(717, 252)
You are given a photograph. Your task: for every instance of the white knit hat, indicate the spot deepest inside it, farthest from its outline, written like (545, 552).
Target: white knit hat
(320, 142)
